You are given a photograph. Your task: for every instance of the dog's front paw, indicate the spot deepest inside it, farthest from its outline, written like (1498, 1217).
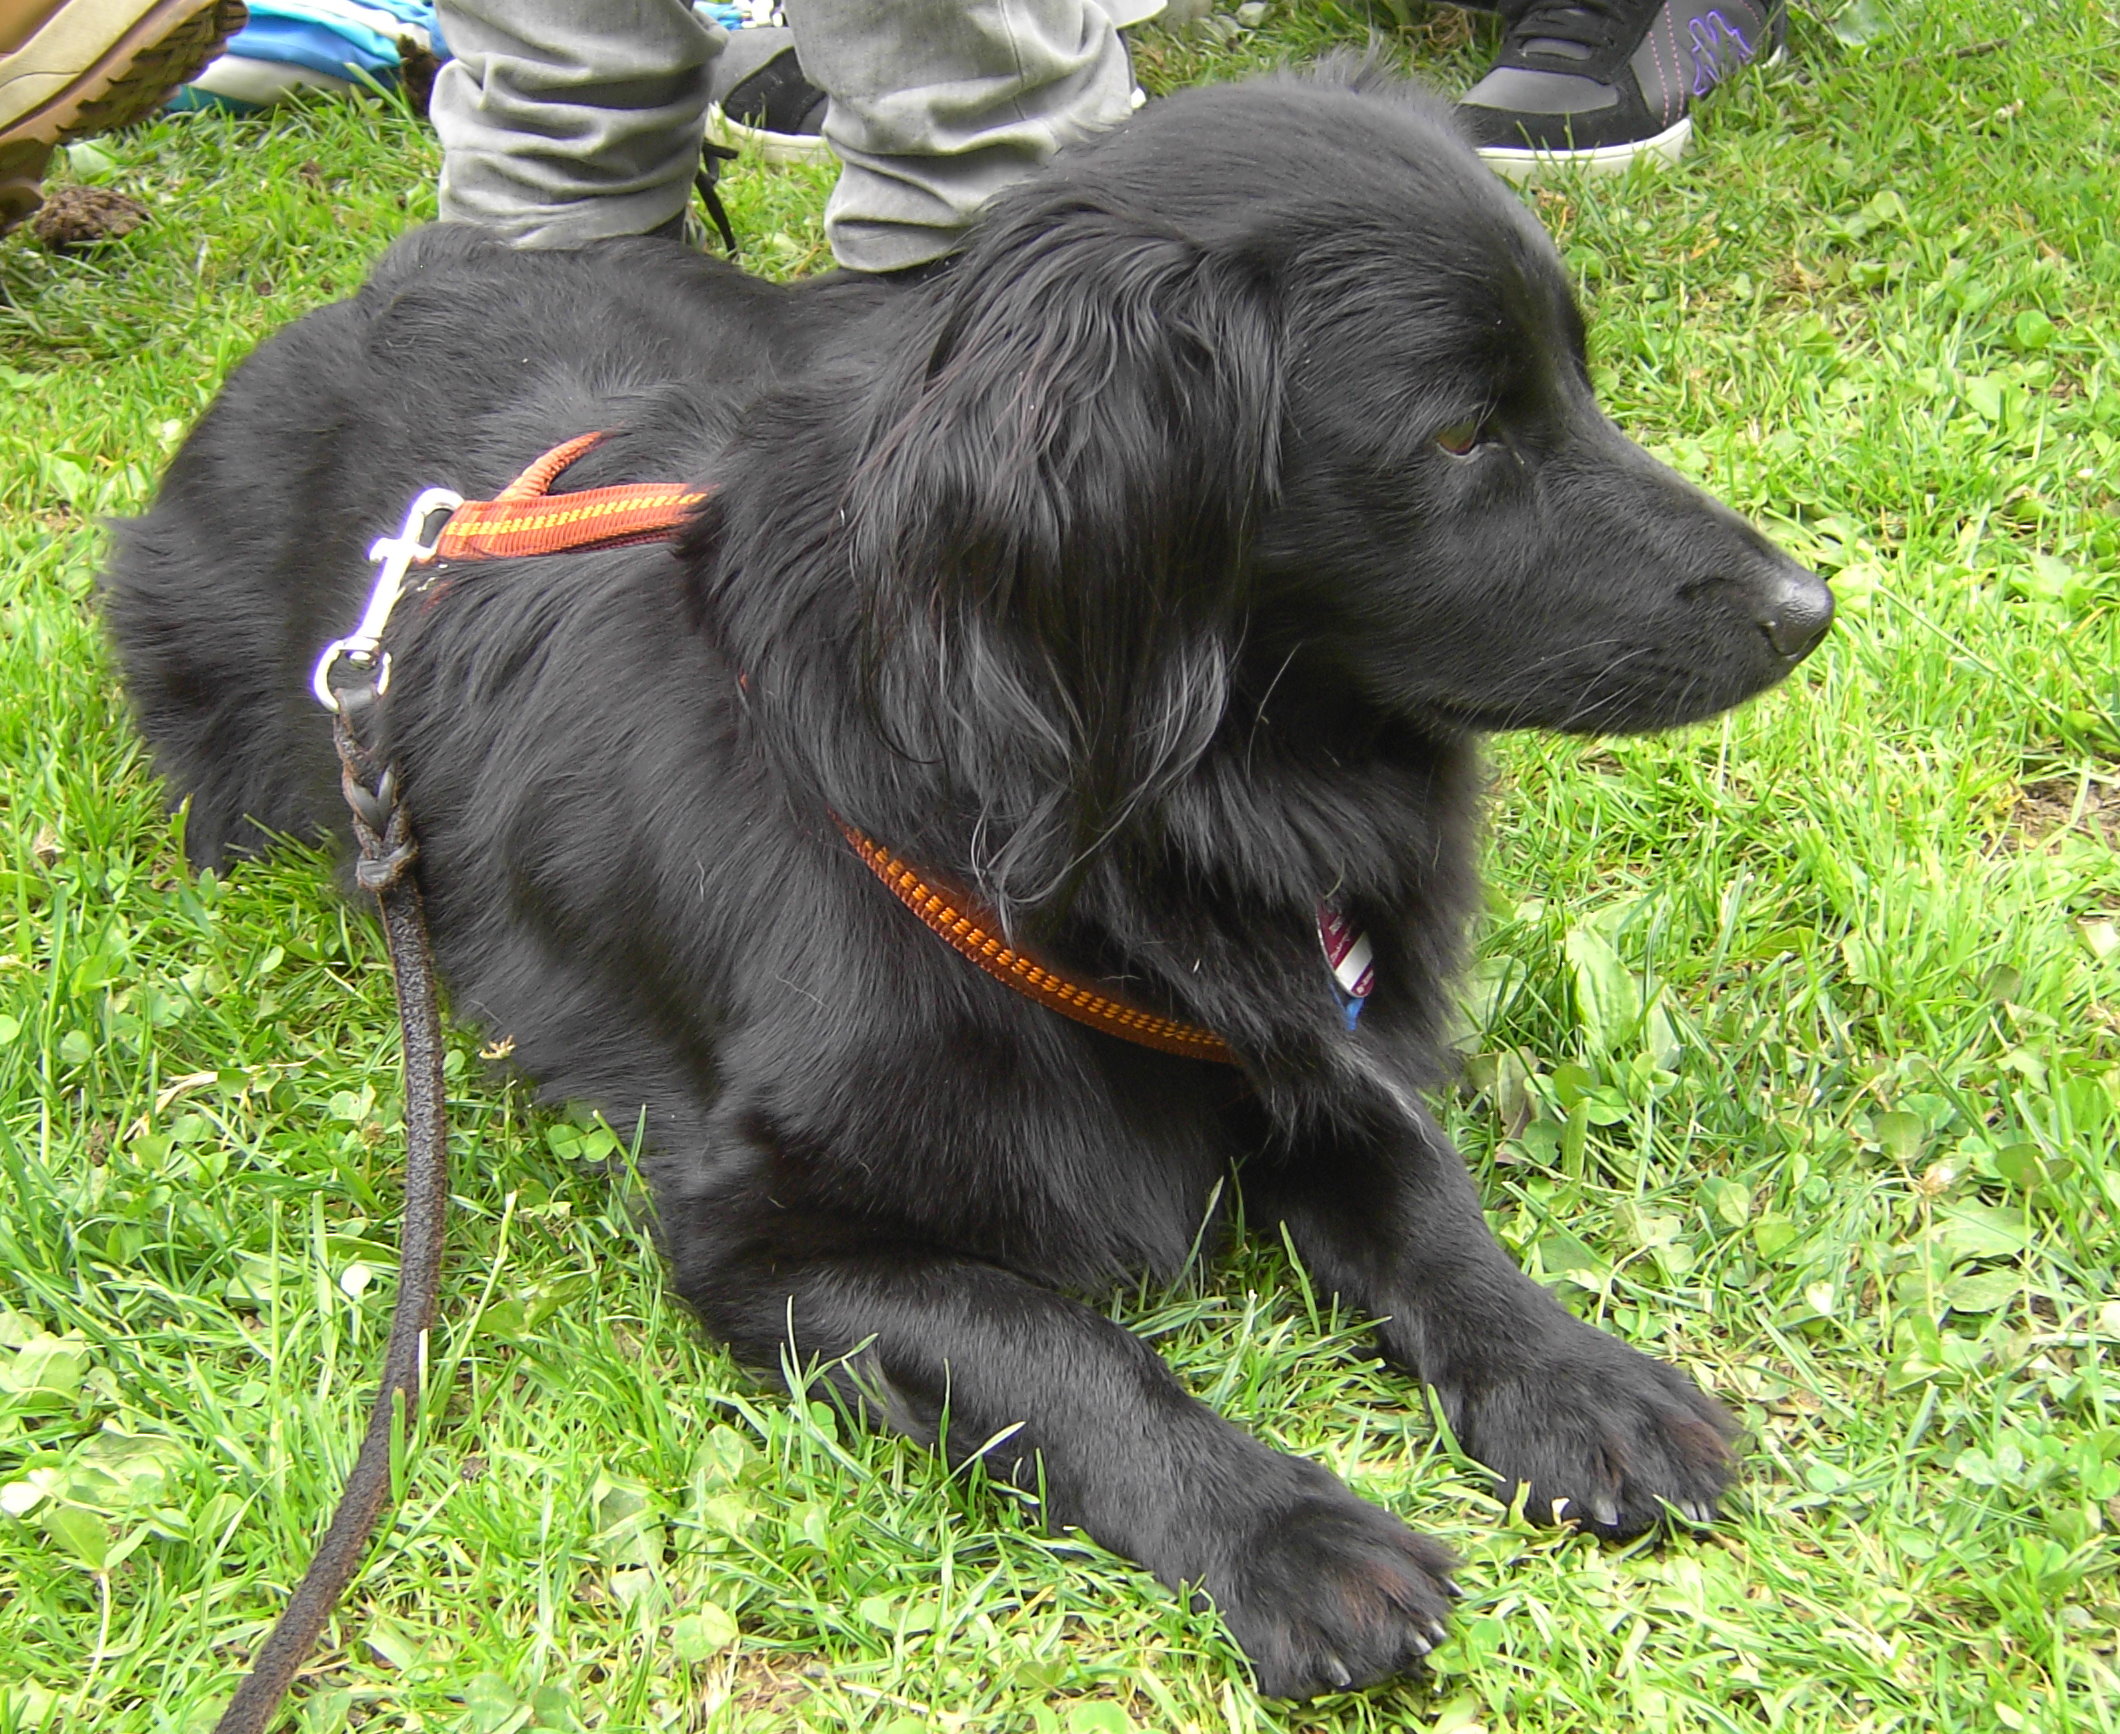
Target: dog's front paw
(1333, 1593)
(1603, 1435)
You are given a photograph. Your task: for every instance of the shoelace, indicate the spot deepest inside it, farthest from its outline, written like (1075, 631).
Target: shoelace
(1592, 24)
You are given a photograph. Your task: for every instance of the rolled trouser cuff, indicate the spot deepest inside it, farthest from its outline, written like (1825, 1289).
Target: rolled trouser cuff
(563, 124)
(937, 105)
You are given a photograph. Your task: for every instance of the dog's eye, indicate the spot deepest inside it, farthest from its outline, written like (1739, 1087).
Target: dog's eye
(1461, 438)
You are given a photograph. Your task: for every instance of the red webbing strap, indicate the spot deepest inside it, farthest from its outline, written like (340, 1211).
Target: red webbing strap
(524, 518)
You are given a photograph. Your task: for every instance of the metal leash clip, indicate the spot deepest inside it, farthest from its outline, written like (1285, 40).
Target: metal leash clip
(363, 647)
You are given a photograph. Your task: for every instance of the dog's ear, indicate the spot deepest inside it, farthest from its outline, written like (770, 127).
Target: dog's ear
(1052, 519)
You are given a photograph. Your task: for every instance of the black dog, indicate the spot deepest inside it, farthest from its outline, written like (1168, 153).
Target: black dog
(1150, 575)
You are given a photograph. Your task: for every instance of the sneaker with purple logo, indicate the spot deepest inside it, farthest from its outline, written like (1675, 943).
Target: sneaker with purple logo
(1603, 84)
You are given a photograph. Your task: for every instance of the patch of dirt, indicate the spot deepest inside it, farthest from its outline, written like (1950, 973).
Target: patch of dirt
(416, 69)
(75, 217)
(1445, 29)
(1556, 210)
(2042, 811)
(769, 1686)
(1797, 282)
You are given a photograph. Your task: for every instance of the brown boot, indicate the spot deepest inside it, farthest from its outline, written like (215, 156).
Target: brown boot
(69, 68)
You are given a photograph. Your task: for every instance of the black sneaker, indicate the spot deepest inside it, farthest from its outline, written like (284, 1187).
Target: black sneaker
(1602, 84)
(760, 98)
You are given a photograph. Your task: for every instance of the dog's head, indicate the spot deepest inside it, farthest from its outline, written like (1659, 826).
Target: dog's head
(1278, 381)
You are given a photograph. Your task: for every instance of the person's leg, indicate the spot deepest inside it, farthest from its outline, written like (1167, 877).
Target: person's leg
(936, 105)
(563, 123)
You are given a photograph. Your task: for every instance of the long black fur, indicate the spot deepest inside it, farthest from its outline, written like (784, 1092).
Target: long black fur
(1116, 575)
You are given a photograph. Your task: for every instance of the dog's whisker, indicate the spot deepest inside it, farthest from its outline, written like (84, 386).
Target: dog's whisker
(1587, 709)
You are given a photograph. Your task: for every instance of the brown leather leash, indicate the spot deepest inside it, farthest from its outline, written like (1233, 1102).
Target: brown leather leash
(383, 831)
(350, 677)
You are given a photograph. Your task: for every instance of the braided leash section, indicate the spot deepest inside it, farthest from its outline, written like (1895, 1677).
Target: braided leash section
(381, 825)
(383, 831)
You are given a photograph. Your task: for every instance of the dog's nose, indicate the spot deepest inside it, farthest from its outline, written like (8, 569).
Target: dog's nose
(1793, 609)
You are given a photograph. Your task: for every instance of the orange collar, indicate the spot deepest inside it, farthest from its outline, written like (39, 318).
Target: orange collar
(963, 925)
(525, 517)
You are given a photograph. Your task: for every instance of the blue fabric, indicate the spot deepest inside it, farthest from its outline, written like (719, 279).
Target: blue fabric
(285, 31)
(340, 49)
(420, 14)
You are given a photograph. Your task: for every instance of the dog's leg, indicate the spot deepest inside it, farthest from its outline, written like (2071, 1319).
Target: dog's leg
(1322, 1589)
(1548, 1402)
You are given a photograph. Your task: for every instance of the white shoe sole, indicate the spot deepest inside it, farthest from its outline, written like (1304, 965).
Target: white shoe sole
(1520, 164)
(1526, 164)
(775, 147)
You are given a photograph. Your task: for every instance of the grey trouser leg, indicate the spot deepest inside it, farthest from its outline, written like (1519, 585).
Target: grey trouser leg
(939, 104)
(567, 121)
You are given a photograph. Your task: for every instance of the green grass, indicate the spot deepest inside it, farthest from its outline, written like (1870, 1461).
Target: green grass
(1793, 1053)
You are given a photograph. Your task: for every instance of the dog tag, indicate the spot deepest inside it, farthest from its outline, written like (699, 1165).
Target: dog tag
(1349, 957)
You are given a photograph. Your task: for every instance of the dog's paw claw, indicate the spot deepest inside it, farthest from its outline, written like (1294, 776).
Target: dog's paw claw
(1602, 1436)
(1332, 1595)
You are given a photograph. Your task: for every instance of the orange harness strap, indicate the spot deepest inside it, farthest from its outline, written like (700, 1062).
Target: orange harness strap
(525, 517)
(957, 920)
